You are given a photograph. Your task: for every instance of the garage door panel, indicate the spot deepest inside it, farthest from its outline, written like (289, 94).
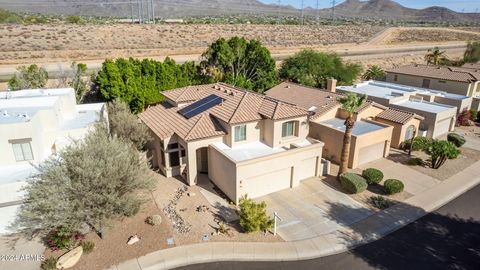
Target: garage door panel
(306, 168)
(441, 128)
(267, 183)
(371, 153)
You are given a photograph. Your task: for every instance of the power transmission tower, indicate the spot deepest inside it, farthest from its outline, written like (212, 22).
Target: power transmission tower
(131, 8)
(318, 14)
(139, 12)
(148, 12)
(302, 13)
(333, 10)
(142, 12)
(278, 15)
(153, 11)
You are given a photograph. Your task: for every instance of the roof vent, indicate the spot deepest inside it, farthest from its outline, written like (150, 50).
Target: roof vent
(312, 109)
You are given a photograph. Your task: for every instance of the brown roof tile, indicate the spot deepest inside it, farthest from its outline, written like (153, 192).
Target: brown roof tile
(397, 116)
(439, 72)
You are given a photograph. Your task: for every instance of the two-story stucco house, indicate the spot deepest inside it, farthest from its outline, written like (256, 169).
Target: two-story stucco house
(455, 80)
(35, 124)
(247, 143)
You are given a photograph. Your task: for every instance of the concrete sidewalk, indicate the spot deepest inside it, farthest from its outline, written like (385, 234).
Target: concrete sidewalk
(362, 232)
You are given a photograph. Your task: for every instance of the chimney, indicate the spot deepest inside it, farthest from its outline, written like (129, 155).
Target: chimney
(331, 85)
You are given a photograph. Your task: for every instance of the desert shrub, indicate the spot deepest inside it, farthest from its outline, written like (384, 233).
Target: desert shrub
(472, 53)
(95, 179)
(393, 186)
(35, 19)
(75, 20)
(464, 118)
(474, 115)
(372, 175)
(49, 264)
(419, 143)
(253, 216)
(312, 68)
(154, 220)
(456, 139)
(353, 183)
(60, 239)
(440, 151)
(125, 125)
(379, 202)
(28, 78)
(9, 17)
(88, 246)
(415, 161)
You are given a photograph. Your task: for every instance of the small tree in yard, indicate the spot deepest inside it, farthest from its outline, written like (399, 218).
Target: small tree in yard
(464, 118)
(440, 151)
(30, 77)
(89, 182)
(125, 125)
(374, 72)
(253, 216)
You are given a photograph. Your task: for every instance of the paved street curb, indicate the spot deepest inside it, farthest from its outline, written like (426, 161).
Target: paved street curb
(362, 232)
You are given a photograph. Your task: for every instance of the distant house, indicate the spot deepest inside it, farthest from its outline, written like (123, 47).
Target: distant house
(244, 142)
(34, 125)
(456, 80)
(439, 109)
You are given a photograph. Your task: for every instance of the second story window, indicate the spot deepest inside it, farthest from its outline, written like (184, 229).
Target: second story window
(288, 129)
(240, 133)
(22, 150)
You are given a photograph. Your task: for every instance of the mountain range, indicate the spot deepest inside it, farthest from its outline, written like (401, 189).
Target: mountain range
(371, 9)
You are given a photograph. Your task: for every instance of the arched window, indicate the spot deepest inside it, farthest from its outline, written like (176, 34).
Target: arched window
(409, 132)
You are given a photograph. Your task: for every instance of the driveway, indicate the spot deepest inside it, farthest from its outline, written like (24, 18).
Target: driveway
(312, 209)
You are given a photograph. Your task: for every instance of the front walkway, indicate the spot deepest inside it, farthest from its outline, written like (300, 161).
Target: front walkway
(313, 209)
(362, 232)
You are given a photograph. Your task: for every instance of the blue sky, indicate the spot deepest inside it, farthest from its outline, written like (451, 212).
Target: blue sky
(457, 5)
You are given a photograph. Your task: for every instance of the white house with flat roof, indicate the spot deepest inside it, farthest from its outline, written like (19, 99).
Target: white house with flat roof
(34, 124)
(438, 108)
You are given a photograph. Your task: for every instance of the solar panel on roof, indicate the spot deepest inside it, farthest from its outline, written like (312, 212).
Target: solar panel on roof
(200, 106)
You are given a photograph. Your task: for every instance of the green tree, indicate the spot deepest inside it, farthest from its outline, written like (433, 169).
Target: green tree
(374, 72)
(78, 83)
(350, 103)
(30, 77)
(9, 17)
(253, 216)
(440, 151)
(89, 182)
(242, 63)
(435, 56)
(312, 68)
(472, 53)
(126, 126)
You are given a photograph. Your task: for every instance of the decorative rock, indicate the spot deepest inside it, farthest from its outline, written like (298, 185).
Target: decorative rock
(170, 211)
(70, 258)
(191, 194)
(133, 239)
(154, 220)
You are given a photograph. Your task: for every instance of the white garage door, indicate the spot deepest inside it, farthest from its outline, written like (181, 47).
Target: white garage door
(306, 169)
(267, 183)
(371, 153)
(441, 127)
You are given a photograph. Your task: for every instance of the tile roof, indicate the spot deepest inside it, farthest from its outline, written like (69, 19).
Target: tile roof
(307, 97)
(439, 72)
(475, 66)
(397, 116)
(239, 106)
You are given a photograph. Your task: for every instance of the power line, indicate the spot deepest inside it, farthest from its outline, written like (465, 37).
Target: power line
(302, 13)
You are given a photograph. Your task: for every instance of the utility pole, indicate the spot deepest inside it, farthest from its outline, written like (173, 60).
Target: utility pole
(318, 14)
(278, 15)
(131, 8)
(302, 13)
(153, 11)
(142, 13)
(139, 12)
(148, 12)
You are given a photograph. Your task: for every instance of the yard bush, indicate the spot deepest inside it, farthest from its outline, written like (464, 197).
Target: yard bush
(253, 216)
(353, 183)
(393, 186)
(49, 264)
(372, 175)
(439, 151)
(464, 118)
(379, 202)
(88, 246)
(154, 220)
(60, 240)
(419, 143)
(474, 115)
(456, 139)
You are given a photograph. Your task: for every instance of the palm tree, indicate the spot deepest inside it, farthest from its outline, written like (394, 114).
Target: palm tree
(434, 56)
(374, 72)
(350, 103)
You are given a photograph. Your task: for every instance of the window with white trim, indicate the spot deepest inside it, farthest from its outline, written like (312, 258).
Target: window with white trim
(288, 129)
(240, 133)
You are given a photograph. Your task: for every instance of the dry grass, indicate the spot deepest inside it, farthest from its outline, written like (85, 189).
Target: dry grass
(432, 35)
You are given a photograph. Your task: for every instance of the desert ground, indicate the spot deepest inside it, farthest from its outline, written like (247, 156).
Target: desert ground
(55, 46)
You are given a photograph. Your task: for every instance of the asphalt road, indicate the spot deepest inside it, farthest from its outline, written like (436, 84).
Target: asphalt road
(448, 238)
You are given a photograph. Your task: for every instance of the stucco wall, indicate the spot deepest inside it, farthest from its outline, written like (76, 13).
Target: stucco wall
(399, 130)
(461, 88)
(461, 104)
(223, 172)
(301, 132)
(191, 153)
(253, 133)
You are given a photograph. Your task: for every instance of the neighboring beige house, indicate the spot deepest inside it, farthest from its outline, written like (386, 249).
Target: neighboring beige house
(34, 125)
(456, 80)
(245, 142)
(377, 128)
(438, 118)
